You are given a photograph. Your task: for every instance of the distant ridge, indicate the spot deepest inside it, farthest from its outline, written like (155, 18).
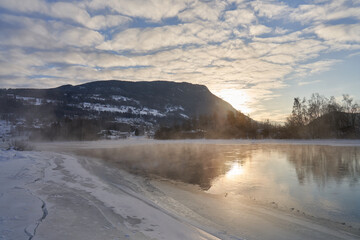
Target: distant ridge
(134, 103)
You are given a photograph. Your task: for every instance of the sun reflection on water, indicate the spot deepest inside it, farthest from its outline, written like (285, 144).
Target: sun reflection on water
(235, 170)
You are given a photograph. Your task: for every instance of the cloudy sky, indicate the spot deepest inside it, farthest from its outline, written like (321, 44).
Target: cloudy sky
(258, 55)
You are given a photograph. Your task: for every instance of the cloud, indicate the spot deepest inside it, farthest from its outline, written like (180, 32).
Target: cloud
(315, 67)
(154, 10)
(332, 10)
(239, 17)
(308, 83)
(66, 10)
(203, 11)
(339, 33)
(42, 34)
(24, 6)
(77, 13)
(148, 39)
(249, 47)
(151, 39)
(255, 30)
(270, 9)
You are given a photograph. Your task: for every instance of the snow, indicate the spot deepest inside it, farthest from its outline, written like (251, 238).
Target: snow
(35, 101)
(107, 107)
(120, 109)
(133, 121)
(59, 196)
(153, 112)
(97, 97)
(173, 108)
(125, 99)
(21, 210)
(5, 129)
(184, 115)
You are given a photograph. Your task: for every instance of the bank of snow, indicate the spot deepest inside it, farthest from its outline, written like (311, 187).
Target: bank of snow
(47, 195)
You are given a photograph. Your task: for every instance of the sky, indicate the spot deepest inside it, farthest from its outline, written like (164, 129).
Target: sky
(257, 55)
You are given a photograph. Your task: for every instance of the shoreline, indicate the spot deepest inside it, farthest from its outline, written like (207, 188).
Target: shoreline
(69, 145)
(252, 219)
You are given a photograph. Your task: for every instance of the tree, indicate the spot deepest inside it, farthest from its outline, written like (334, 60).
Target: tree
(332, 105)
(298, 117)
(316, 106)
(347, 103)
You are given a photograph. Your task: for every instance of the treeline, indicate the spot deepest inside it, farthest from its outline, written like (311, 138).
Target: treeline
(321, 117)
(79, 129)
(233, 125)
(318, 117)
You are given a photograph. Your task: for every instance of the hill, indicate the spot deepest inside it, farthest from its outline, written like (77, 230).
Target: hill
(124, 105)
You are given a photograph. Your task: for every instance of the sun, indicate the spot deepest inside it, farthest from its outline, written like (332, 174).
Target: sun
(238, 98)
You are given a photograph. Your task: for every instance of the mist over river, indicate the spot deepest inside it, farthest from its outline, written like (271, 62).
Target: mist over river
(311, 180)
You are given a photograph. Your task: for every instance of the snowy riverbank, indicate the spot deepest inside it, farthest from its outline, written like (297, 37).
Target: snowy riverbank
(47, 195)
(57, 195)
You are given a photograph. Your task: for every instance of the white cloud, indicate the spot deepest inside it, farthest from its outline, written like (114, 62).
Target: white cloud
(325, 12)
(100, 21)
(315, 67)
(150, 39)
(270, 9)
(154, 10)
(339, 33)
(255, 30)
(303, 83)
(37, 33)
(204, 11)
(279, 30)
(280, 58)
(137, 39)
(239, 17)
(65, 10)
(25, 5)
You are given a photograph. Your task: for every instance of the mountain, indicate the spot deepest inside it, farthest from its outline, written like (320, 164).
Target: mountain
(134, 104)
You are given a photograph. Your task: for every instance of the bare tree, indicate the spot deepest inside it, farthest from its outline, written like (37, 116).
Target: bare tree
(333, 106)
(347, 103)
(316, 106)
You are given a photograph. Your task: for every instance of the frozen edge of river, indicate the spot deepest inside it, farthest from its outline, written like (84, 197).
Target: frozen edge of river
(82, 203)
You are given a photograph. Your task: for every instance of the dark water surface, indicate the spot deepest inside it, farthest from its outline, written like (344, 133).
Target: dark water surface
(319, 180)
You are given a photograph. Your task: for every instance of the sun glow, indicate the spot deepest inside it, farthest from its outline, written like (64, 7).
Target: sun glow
(235, 170)
(238, 98)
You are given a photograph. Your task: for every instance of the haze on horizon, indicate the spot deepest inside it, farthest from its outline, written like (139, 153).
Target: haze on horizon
(257, 55)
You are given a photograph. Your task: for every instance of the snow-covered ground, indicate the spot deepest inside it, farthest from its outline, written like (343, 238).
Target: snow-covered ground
(54, 194)
(46, 195)
(119, 109)
(5, 129)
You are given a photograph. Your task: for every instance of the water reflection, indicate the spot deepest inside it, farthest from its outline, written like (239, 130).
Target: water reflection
(322, 180)
(194, 164)
(235, 170)
(202, 164)
(322, 163)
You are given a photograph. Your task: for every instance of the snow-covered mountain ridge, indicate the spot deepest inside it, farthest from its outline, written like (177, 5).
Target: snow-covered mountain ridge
(133, 103)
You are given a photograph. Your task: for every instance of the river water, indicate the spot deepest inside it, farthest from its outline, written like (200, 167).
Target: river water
(320, 181)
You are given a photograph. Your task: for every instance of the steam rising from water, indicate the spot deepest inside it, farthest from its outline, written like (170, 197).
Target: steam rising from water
(321, 180)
